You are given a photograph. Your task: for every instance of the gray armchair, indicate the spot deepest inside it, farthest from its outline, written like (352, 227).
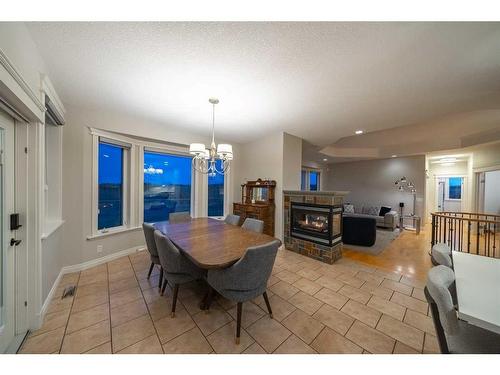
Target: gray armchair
(246, 279)
(177, 268)
(232, 219)
(455, 335)
(253, 225)
(153, 252)
(178, 217)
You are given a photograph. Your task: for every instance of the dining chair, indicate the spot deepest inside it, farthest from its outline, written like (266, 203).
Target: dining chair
(253, 225)
(246, 279)
(454, 335)
(232, 219)
(441, 255)
(178, 217)
(177, 268)
(153, 251)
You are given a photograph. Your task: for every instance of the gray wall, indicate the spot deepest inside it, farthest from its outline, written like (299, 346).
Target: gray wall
(371, 182)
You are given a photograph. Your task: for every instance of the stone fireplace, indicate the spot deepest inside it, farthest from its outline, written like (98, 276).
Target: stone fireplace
(313, 223)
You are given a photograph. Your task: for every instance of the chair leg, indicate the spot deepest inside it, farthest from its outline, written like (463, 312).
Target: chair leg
(165, 282)
(268, 304)
(161, 278)
(150, 270)
(174, 299)
(238, 322)
(210, 296)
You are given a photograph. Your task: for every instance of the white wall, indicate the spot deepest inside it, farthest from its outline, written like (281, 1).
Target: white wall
(264, 159)
(292, 161)
(278, 157)
(491, 193)
(371, 182)
(486, 156)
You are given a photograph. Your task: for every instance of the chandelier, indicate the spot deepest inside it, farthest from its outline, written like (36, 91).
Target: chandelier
(204, 159)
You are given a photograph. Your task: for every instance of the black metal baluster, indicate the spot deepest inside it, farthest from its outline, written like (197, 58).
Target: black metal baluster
(477, 237)
(469, 226)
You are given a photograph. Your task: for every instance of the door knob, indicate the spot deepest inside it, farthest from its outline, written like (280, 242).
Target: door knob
(14, 242)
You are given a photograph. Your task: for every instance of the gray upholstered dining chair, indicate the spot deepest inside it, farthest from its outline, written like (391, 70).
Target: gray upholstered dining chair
(441, 255)
(178, 217)
(153, 252)
(177, 269)
(232, 219)
(253, 225)
(247, 278)
(455, 335)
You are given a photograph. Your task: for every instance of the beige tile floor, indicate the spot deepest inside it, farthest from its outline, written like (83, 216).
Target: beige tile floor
(347, 307)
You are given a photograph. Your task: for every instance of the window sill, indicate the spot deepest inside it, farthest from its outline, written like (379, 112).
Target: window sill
(50, 227)
(112, 232)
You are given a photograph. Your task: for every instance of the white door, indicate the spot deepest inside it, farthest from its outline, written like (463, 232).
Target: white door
(7, 252)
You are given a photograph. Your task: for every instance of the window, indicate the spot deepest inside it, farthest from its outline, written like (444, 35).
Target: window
(111, 186)
(313, 181)
(455, 188)
(310, 180)
(216, 193)
(167, 185)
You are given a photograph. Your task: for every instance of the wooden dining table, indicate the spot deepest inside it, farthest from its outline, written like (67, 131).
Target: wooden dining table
(211, 243)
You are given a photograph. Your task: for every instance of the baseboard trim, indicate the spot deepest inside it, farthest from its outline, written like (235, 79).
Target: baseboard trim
(81, 267)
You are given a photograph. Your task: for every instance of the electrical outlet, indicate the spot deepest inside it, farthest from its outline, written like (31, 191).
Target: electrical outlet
(99, 249)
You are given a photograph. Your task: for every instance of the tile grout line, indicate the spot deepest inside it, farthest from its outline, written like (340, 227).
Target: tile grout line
(147, 308)
(70, 310)
(109, 312)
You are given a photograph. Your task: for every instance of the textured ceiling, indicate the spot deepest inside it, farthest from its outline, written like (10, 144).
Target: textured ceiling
(318, 81)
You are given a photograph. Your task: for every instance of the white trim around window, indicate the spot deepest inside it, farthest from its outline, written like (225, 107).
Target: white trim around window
(307, 182)
(134, 181)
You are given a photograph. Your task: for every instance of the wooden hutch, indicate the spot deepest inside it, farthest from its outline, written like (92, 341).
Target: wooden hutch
(257, 202)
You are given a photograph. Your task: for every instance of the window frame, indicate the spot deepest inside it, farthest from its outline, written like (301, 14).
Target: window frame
(307, 171)
(135, 180)
(447, 189)
(175, 151)
(127, 156)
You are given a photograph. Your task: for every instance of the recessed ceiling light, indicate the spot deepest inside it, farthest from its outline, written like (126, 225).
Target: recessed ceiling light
(359, 132)
(394, 156)
(325, 159)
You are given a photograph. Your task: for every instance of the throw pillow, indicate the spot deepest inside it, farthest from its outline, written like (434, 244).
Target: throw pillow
(372, 210)
(348, 208)
(384, 210)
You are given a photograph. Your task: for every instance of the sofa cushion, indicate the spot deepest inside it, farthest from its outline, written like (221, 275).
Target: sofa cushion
(384, 210)
(348, 208)
(371, 210)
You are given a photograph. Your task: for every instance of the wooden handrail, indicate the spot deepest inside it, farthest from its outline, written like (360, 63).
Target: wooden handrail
(460, 215)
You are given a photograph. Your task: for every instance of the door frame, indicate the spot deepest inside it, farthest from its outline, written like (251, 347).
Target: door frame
(463, 201)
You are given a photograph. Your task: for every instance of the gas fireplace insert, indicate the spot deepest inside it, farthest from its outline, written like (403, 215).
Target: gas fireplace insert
(316, 223)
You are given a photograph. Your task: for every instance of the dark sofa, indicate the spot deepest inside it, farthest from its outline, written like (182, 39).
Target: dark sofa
(359, 230)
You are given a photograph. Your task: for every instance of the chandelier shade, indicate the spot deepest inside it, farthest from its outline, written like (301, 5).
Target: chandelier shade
(196, 148)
